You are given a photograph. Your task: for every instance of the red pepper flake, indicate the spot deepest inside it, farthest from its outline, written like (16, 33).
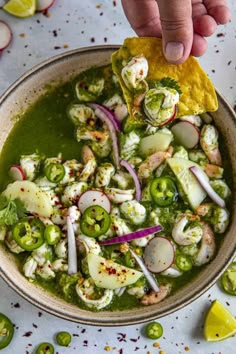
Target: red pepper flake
(213, 70)
(121, 337)
(85, 343)
(101, 14)
(34, 325)
(105, 39)
(220, 35)
(22, 189)
(27, 334)
(57, 47)
(98, 6)
(39, 314)
(114, 3)
(229, 62)
(92, 39)
(17, 305)
(54, 33)
(83, 330)
(65, 46)
(187, 349)
(22, 35)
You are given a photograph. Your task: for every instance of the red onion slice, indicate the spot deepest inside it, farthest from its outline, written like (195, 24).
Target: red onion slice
(134, 175)
(203, 180)
(132, 236)
(102, 114)
(150, 278)
(110, 115)
(72, 251)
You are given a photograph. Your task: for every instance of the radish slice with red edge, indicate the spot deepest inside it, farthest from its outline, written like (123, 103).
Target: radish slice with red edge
(171, 118)
(94, 197)
(6, 35)
(17, 173)
(72, 251)
(204, 182)
(134, 175)
(132, 236)
(158, 254)
(43, 5)
(102, 113)
(150, 278)
(186, 133)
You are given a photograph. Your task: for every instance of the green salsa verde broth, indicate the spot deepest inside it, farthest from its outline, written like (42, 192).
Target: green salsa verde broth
(45, 128)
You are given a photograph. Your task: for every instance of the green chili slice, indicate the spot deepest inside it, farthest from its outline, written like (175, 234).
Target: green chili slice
(163, 191)
(45, 348)
(154, 330)
(228, 279)
(6, 331)
(183, 262)
(29, 233)
(52, 234)
(63, 338)
(54, 172)
(95, 221)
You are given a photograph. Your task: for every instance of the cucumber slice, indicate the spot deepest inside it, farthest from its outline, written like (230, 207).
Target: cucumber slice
(110, 275)
(193, 190)
(34, 199)
(155, 142)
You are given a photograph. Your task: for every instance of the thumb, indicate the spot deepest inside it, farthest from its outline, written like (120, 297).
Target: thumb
(177, 29)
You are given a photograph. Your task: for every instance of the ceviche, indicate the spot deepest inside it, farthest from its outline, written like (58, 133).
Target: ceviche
(121, 204)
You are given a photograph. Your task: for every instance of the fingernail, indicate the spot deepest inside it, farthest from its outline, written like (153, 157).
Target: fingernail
(174, 51)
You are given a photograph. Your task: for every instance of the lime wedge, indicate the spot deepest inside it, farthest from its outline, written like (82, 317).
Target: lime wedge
(219, 323)
(20, 8)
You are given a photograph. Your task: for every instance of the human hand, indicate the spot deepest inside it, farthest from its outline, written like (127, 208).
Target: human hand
(182, 24)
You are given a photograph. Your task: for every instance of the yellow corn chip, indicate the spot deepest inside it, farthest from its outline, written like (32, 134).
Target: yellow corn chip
(198, 94)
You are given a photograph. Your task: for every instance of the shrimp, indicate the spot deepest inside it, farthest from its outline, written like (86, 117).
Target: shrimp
(213, 171)
(135, 72)
(118, 196)
(216, 216)
(207, 247)
(152, 162)
(86, 291)
(90, 164)
(155, 297)
(187, 236)
(209, 144)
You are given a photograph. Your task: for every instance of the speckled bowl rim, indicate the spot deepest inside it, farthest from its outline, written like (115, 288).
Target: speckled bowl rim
(181, 298)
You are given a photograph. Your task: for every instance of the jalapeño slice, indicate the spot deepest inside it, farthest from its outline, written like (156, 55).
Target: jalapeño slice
(228, 279)
(29, 233)
(163, 191)
(95, 221)
(54, 172)
(6, 331)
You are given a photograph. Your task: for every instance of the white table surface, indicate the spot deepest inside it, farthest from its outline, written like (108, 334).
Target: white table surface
(74, 24)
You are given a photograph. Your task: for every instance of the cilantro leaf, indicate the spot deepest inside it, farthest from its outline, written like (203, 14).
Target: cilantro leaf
(165, 82)
(11, 211)
(168, 82)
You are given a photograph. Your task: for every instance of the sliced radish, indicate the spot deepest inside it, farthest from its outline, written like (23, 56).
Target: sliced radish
(6, 35)
(171, 118)
(186, 133)
(43, 5)
(94, 197)
(204, 182)
(17, 173)
(159, 254)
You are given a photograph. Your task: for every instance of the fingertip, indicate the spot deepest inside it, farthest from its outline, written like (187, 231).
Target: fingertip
(199, 46)
(204, 25)
(221, 14)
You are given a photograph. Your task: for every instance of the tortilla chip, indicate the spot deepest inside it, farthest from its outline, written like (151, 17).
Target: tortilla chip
(198, 94)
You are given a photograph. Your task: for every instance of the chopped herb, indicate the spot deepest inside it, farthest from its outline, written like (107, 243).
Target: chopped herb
(166, 82)
(11, 210)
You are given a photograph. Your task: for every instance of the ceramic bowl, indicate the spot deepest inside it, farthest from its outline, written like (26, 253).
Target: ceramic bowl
(21, 95)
